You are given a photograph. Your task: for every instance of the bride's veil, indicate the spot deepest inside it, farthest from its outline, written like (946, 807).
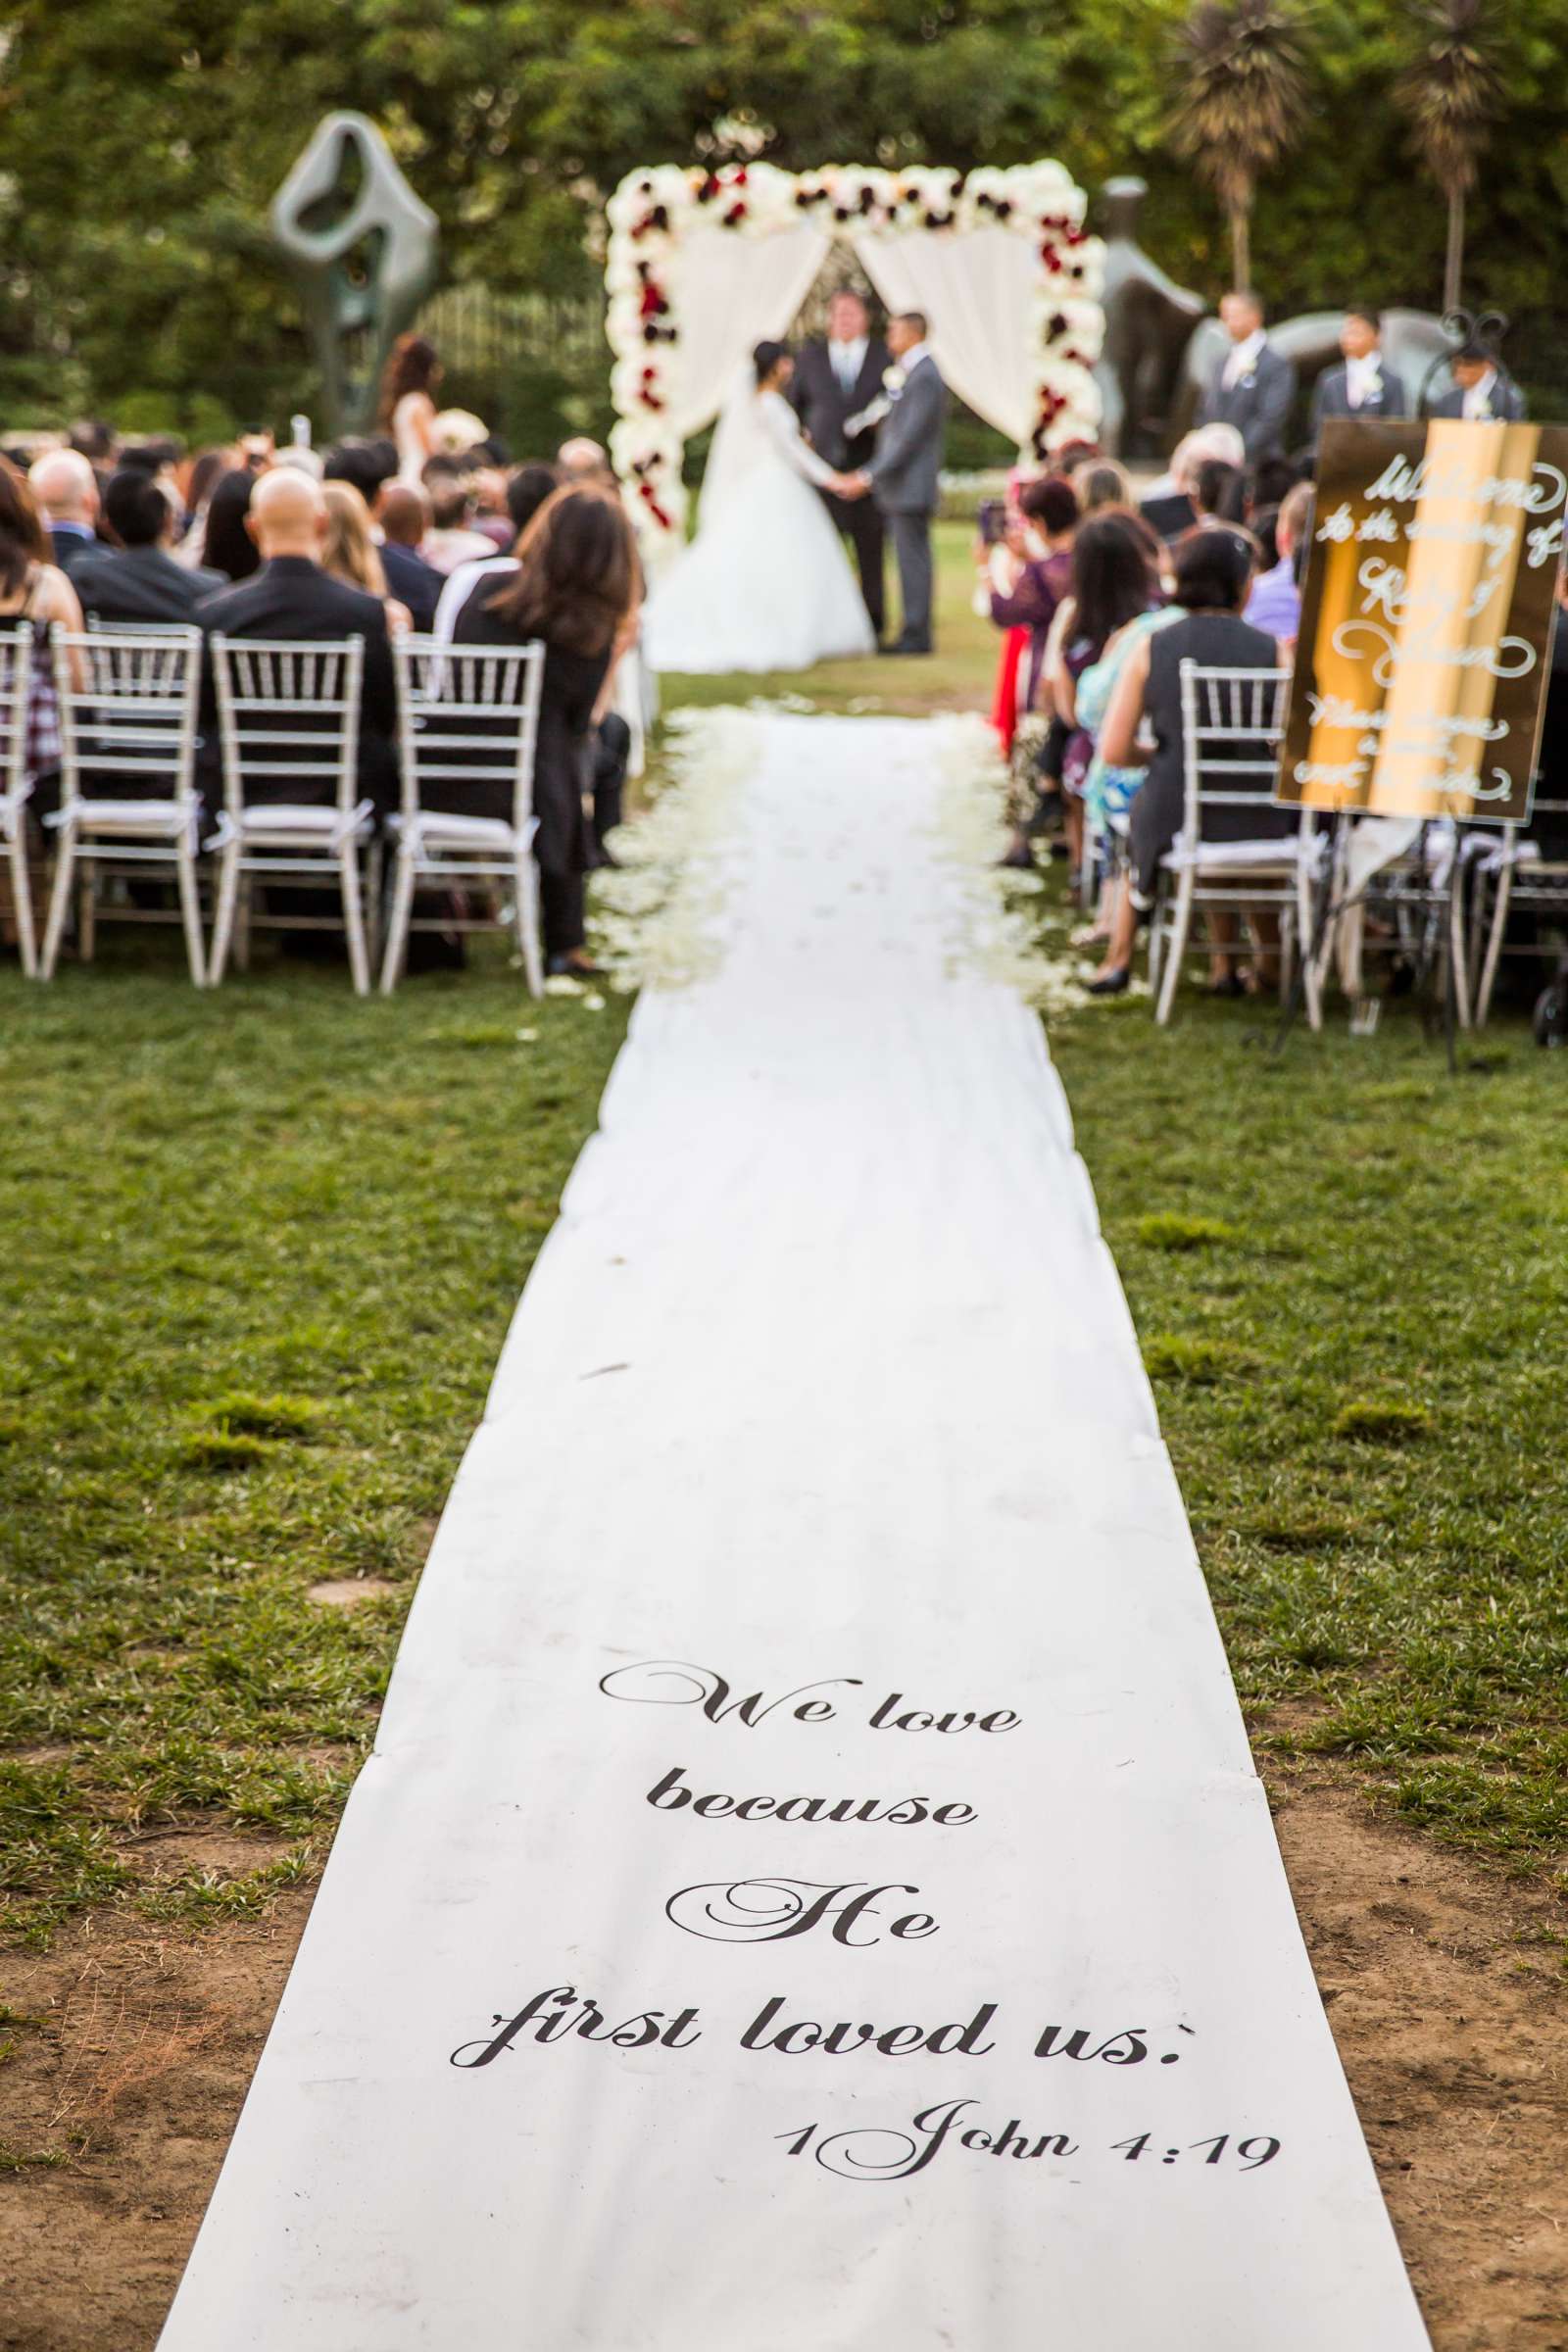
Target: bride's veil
(739, 442)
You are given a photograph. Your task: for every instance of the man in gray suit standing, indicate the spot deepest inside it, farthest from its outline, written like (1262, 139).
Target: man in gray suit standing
(905, 474)
(1483, 392)
(1253, 385)
(1363, 384)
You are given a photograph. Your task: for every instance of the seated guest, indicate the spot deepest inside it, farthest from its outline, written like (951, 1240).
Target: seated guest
(1213, 573)
(1030, 573)
(349, 552)
(1269, 483)
(368, 464)
(1253, 385)
(1482, 391)
(1362, 384)
(1167, 504)
(228, 545)
(583, 461)
(65, 491)
(487, 487)
(1219, 492)
(1101, 482)
(141, 582)
(32, 589)
(404, 514)
(292, 597)
(1114, 581)
(527, 489)
(450, 541)
(1275, 602)
(575, 588)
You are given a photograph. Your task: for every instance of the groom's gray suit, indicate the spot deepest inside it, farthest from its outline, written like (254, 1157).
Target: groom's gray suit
(905, 482)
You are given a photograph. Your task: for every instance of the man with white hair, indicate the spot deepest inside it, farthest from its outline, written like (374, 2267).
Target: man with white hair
(582, 461)
(1169, 506)
(67, 491)
(292, 597)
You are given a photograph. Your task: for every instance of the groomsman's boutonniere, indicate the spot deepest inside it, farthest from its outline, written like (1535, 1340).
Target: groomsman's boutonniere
(893, 381)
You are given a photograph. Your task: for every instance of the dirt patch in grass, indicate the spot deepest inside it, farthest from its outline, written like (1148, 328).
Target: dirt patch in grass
(1446, 1990)
(131, 2051)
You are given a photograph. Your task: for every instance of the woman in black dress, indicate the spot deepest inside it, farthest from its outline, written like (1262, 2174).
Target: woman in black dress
(1213, 573)
(576, 590)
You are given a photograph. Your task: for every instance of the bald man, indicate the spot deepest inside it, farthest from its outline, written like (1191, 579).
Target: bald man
(292, 597)
(67, 491)
(583, 461)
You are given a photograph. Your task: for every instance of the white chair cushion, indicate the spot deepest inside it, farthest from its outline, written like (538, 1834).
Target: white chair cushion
(131, 816)
(1220, 856)
(438, 829)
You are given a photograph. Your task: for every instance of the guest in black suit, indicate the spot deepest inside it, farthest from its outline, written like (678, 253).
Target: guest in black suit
(833, 382)
(1483, 392)
(576, 590)
(1253, 385)
(291, 596)
(1363, 384)
(65, 490)
(404, 514)
(140, 581)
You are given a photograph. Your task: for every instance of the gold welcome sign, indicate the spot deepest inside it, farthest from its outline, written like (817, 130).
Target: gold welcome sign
(1426, 621)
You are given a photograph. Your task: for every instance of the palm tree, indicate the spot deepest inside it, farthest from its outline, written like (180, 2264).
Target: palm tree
(1242, 103)
(1452, 93)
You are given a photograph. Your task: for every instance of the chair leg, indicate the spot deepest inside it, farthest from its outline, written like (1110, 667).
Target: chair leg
(1175, 946)
(1501, 894)
(22, 899)
(190, 914)
(527, 896)
(354, 919)
(374, 896)
(1459, 957)
(397, 923)
(87, 913)
(224, 913)
(59, 901)
(244, 907)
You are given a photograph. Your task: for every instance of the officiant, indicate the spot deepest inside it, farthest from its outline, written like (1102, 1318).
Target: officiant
(835, 380)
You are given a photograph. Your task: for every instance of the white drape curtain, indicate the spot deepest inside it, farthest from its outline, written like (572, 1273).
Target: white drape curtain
(731, 293)
(977, 290)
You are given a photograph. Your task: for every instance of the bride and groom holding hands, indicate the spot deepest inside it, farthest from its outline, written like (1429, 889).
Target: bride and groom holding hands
(849, 441)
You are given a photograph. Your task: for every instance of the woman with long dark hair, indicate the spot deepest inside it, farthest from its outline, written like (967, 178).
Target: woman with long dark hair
(227, 545)
(408, 406)
(575, 591)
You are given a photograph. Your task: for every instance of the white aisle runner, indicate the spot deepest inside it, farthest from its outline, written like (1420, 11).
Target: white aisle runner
(811, 1892)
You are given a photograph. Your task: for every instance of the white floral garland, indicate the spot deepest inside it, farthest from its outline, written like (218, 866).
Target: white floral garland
(653, 210)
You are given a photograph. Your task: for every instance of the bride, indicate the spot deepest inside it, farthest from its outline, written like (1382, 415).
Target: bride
(766, 583)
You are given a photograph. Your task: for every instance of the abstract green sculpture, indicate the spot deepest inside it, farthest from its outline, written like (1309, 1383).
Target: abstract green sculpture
(363, 248)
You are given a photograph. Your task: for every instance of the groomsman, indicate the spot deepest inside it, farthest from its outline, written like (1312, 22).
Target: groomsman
(1254, 384)
(1482, 391)
(1363, 384)
(833, 383)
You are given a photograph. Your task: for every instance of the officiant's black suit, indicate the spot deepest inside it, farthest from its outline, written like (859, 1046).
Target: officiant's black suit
(824, 408)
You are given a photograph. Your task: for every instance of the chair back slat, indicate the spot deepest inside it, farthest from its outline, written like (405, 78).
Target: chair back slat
(1232, 721)
(288, 710)
(16, 657)
(469, 714)
(127, 702)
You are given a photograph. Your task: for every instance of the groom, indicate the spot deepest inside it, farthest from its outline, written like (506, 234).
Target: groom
(904, 475)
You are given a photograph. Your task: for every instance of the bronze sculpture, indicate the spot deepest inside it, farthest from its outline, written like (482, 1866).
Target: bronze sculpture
(363, 248)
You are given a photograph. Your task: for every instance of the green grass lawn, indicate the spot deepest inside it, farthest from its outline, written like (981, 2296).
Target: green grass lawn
(263, 1245)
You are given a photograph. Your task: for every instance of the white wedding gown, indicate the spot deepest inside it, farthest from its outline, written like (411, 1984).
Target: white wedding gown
(766, 584)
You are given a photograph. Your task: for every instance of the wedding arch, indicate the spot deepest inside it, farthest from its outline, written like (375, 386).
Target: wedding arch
(702, 265)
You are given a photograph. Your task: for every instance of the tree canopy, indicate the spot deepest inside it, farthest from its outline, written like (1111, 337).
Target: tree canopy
(141, 141)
